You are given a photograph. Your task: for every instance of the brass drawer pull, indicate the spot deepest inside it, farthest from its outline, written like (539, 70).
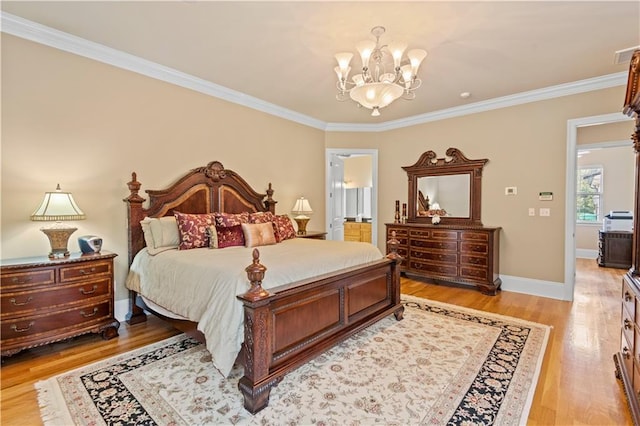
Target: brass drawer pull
(83, 291)
(625, 353)
(91, 271)
(627, 296)
(14, 303)
(84, 314)
(17, 280)
(627, 324)
(21, 330)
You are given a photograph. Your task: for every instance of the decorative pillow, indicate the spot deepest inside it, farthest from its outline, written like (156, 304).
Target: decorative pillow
(212, 234)
(230, 236)
(193, 229)
(260, 217)
(160, 234)
(231, 219)
(258, 234)
(284, 227)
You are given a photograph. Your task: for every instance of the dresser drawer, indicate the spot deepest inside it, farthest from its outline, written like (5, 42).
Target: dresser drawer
(84, 271)
(436, 268)
(70, 318)
(29, 301)
(628, 299)
(468, 247)
(474, 273)
(474, 260)
(22, 279)
(419, 233)
(437, 245)
(475, 236)
(443, 257)
(400, 232)
(627, 354)
(628, 328)
(440, 234)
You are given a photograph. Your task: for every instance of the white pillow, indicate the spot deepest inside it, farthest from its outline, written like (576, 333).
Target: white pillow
(161, 234)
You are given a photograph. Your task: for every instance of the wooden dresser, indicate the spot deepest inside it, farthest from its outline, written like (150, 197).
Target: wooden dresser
(357, 231)
(45, 301)
(614, 249)
(458, 254)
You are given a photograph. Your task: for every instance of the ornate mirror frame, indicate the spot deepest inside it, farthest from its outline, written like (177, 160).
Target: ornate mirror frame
(456, 164)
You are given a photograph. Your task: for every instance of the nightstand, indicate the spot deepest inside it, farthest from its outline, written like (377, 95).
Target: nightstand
(316, 235)
(47, 300)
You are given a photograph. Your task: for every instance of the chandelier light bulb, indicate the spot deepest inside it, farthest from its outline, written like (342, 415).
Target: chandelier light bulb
(365, 48)
(416, 56)
(344, 58)
(397, 50)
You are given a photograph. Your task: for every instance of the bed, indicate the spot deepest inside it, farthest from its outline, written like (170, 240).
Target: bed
(285, 319)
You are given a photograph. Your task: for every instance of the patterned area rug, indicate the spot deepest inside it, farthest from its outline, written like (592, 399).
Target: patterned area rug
(441, 365)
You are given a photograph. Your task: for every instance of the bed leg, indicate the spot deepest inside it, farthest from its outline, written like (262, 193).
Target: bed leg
(136, 314)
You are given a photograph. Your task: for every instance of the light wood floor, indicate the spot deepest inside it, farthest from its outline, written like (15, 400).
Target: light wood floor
(577, 385)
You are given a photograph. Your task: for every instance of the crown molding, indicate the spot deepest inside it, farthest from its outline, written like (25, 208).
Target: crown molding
(581, 86)
(42, 34)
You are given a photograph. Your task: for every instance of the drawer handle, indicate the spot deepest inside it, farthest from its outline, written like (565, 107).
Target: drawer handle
(627, 296)
(14, 303)
(91, 271)
(625, 352)
(83, 291)
(627, 324)
(21, 330)
(17, 280)
(86, 315)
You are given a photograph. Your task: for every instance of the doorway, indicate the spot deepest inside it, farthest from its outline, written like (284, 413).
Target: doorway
(336, 191)
(570, 188)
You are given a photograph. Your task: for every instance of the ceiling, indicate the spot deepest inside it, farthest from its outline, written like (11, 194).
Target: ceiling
(282, 52)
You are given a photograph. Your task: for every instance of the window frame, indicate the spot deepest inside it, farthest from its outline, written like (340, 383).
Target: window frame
(599, 194)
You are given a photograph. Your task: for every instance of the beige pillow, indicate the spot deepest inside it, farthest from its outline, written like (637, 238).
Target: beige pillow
(160, 234)
(258, 234)
(212, 234)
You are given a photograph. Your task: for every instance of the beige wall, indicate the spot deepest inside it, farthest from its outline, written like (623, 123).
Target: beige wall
(358, 172)
(87, 125)
(526, 148)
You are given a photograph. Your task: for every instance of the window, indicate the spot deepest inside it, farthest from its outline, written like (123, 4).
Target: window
(589, 194)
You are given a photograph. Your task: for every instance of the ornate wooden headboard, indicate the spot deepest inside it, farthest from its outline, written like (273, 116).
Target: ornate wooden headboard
(202, 190)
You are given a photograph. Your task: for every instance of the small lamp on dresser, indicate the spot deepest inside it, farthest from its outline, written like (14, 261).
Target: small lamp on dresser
(58, 206)
(302, 210)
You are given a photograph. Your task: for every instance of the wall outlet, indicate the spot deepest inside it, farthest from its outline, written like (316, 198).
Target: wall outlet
(510, 190)
(545, 212)
(532, 211)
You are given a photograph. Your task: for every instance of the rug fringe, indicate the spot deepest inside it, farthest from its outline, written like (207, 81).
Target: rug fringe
(53, 408)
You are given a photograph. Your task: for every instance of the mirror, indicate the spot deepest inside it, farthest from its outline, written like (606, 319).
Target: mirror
(447, 187)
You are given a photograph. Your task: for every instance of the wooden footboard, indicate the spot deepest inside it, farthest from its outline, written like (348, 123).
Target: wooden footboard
(292, 324)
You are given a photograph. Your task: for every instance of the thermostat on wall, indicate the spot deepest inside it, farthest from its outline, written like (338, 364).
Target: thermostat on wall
(545, 196)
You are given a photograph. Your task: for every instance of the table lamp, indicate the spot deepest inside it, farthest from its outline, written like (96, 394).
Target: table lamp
(58, 206)
(302, 210)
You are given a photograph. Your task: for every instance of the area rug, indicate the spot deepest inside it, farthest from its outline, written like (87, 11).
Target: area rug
(441, 364)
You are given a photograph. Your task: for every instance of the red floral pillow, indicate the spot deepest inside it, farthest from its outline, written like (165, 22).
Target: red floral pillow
(231, 219)
(283, 227)
(230, 236)
(261, 217)
(193, 230)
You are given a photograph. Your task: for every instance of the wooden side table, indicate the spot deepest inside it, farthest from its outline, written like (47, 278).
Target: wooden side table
(47, 300)
(316, 235)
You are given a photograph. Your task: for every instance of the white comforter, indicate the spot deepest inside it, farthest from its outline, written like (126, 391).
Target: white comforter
(202, 284)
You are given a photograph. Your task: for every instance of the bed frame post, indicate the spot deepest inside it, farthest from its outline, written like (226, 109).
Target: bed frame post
(270, 203)
(135, 214)
(393, 244)
(254, 385)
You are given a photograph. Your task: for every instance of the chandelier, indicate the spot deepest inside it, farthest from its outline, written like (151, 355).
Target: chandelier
(380, 83)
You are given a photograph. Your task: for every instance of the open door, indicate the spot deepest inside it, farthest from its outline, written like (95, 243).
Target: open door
(336, 197)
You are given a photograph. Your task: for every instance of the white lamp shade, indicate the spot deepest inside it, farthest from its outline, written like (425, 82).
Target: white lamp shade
(302, 207)
(58, 206)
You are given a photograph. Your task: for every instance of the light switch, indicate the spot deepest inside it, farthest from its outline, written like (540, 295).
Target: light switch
(545, 212)
(532, 211)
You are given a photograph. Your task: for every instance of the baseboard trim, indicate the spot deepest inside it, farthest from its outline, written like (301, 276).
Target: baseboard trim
(550, 289)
